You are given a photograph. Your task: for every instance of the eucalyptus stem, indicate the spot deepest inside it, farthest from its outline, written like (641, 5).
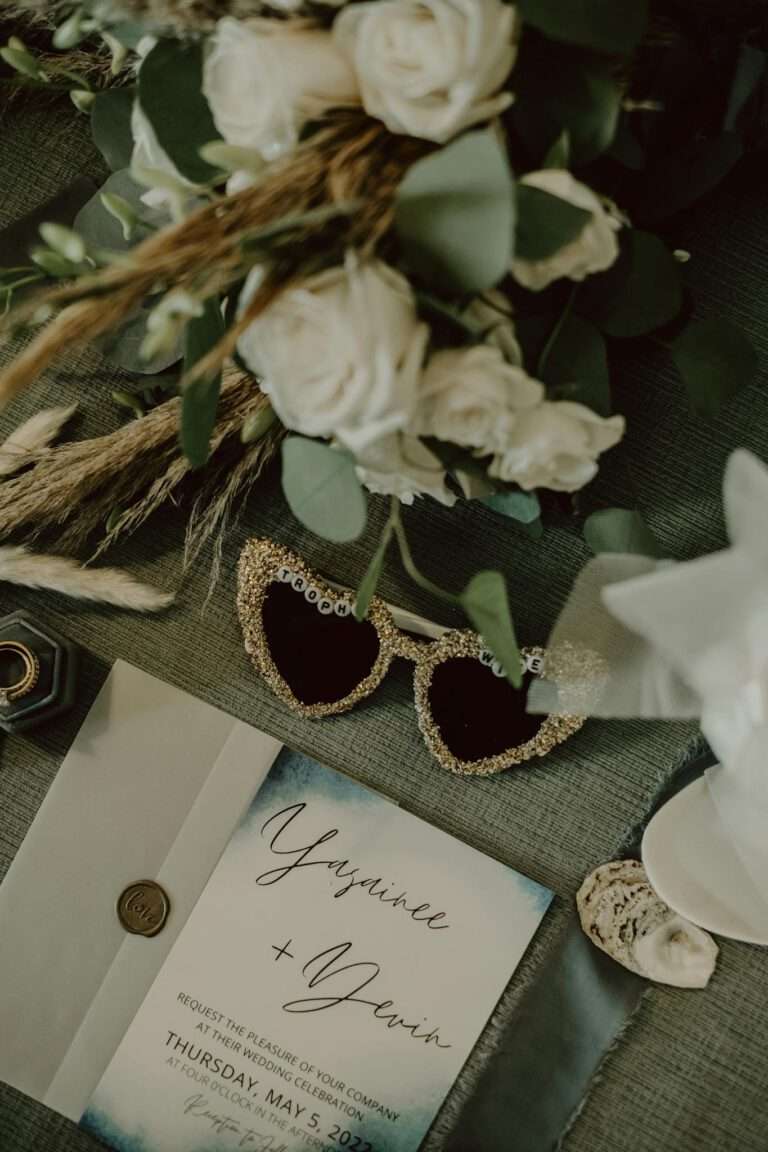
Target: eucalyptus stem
(557, 328)
(395, 524)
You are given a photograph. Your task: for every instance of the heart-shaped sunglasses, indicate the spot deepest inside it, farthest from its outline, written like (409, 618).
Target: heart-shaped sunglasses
(301, 633)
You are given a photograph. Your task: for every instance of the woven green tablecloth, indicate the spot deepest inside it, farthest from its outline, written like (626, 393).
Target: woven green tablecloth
(691, 1072)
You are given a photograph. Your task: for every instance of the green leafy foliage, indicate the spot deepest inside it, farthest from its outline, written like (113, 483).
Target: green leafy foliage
(370, 580)
(485, 602)
(576, 366)
(639, 293)
(545, 223)
(455, 215)
(322, 489)
(518, 505)
(200, 397)
(716, 360)
(619, 530)
(559, 154)
(614, 26)
(523, 508)
(171, 97)
(257, 424)
(111, 126)
(558, 93)
(104, 231)
(681, 178)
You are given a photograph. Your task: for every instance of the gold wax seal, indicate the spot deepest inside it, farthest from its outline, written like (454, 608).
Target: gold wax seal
(143, 908)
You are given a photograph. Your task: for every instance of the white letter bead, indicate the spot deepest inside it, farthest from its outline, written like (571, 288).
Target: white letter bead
(324, 606)
(299, 582)
(312, 594)
(534, 664)
(284, 574)
(497, 669)
(486, 657)
(342, 608)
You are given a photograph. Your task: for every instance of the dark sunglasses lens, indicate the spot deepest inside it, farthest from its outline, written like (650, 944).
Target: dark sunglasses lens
(477, 713)
(321, 655)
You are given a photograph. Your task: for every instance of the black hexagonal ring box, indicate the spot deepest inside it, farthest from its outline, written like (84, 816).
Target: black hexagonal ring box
(55, 676)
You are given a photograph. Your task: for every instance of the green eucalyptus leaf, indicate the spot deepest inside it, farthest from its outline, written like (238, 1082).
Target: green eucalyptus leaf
(559, 154)
(370, 580)
(257, 424)
(22, 61)
(82, 99)
(639, 293)
(558, 93)
(521, 506)
(200, 397)
(750, 70)
(70, 32)
(690, 173)
(614, 26)
(576, 367)
(128, 33)
(485, 602)
(123, 346)
(171, 97)
(620, 530)
(716, 360)
(322, 489)
(104, 230)
(545, 223)
(111, 126)
(627, 149)
(455, 214)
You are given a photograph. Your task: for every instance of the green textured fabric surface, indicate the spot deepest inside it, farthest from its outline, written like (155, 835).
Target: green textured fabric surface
(689, 1074)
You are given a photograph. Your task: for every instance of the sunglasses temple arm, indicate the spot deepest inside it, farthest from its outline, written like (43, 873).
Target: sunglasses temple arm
(405, 620)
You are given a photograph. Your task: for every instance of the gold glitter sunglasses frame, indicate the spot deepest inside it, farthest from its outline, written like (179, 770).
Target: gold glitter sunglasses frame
(264, 563)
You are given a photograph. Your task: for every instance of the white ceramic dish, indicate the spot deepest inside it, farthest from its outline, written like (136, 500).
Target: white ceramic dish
(693, 867)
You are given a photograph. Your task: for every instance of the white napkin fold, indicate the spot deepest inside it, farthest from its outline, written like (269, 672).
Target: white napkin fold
(643, 638)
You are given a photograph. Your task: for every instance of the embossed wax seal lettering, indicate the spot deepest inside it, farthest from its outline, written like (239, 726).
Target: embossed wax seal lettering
(143, 908)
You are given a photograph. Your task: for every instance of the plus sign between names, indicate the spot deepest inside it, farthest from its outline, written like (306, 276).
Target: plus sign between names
(283, 951)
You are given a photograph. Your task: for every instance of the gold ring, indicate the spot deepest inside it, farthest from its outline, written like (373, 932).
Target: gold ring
(28, 679)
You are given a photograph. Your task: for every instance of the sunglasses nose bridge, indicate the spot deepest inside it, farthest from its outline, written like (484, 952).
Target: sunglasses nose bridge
(409, 648)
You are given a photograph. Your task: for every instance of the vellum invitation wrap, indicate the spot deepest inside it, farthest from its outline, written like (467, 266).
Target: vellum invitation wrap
(327, 965)
(328, 985)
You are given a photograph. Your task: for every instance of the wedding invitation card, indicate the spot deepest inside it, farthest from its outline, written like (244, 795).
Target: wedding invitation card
(328, 986)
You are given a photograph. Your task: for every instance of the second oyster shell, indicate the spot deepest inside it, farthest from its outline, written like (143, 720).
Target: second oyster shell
(621, 913)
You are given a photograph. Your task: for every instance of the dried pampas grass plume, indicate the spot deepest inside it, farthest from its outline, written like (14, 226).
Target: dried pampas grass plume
(60, 574)
(352, 164)
(110, 485)
(32, 437)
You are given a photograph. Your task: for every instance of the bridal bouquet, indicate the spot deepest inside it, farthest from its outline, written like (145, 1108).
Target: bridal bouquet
(416, 226)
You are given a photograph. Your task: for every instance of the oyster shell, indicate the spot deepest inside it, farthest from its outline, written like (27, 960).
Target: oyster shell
(621, 913)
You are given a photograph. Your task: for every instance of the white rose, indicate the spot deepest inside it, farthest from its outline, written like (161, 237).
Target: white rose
(469, 396)
(340, 354)
(491, 316)
(430, 68)
(593, 250)
(402, 466)
(264, 79)
(556, 445)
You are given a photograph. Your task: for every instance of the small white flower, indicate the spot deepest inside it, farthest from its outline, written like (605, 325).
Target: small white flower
(403, 466)
(469, 396)
(492, 318)
(341, 353)
(593, 250)
(430, 68)
(264, 79)
(556, 445)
